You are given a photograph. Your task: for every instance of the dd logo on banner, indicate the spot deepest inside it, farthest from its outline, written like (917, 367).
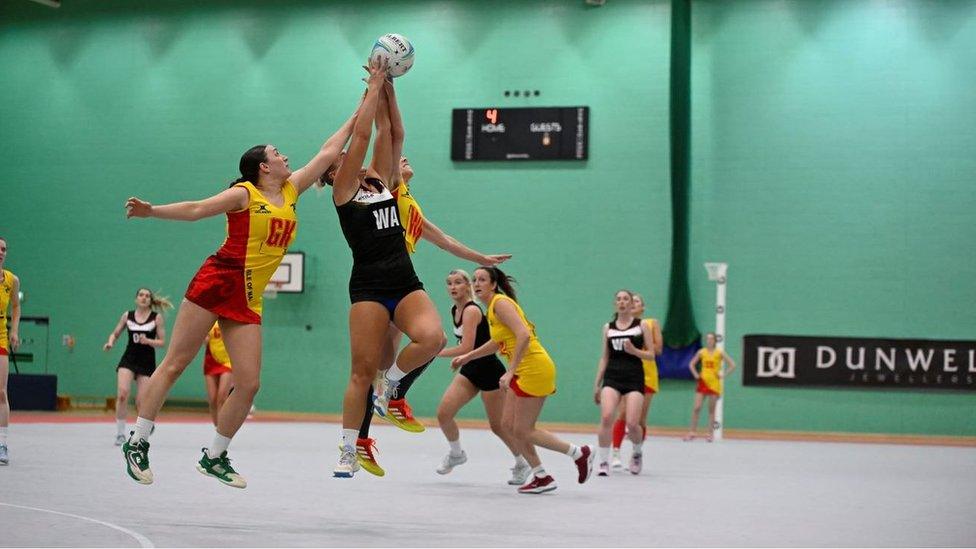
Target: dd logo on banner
(777, 362)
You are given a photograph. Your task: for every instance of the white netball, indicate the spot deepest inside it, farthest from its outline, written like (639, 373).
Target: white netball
(397, 49)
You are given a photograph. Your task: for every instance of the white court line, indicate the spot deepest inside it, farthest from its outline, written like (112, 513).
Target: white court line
(143, 540)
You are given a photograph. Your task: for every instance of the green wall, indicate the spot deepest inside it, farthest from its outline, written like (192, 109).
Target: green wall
(831, 145)
(110, 99)
(834, 170)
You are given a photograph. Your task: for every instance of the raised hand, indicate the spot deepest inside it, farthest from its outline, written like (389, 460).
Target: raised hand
(378, 68)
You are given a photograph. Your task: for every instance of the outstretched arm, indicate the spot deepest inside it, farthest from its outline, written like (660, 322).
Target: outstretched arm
(303, 178)
(346, 181)
(381, 165)
(446, 242)
(397, 132)
(232, 199)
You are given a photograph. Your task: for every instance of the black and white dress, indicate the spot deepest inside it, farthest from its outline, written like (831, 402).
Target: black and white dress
(625, 372)
(139, 357)
(483, 372)
(381, 266)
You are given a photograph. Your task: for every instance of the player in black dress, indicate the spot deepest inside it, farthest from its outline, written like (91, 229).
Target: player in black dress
(146, 329)
(383, 286)
(620, 375)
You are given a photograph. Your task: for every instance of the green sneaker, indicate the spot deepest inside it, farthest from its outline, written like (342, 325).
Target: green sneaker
(220, 469)
(136, 456)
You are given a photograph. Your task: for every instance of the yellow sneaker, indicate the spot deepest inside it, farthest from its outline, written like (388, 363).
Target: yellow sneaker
(365, 457)
(398, 412)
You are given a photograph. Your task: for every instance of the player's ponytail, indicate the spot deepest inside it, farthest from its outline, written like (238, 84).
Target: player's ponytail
(250, 165)
(157, 303)
(502, 281)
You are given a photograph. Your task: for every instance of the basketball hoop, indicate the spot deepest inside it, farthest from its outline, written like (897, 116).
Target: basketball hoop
(716, 271)
(271, 290)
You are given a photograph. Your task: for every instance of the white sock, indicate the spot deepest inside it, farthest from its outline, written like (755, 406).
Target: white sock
(604, 453)
(574, 451)
(455, 447)
(639, 449)
(349, 437)
(3, 435)
(120, 426)
(520, 461)
(395, 373)
(219, 446)
(539, 472)
(143, 427)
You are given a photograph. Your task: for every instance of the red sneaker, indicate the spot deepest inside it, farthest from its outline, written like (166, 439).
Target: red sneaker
(398, 412)
(539, 485)
(366, 458)
(584, 464)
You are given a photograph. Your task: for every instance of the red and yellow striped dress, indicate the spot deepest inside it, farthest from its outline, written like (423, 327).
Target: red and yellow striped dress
(230, 282)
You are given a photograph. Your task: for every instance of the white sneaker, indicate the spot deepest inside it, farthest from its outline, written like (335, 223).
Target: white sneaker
(385, 393)
(636, 463)
(603, 469)
(520, 474)
(450, 462)
(4, 458)
(120, 440)
(347, 465)
(615, 462)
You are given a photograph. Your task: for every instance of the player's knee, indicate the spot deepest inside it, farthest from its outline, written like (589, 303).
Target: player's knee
(247, 387)
(497, 427)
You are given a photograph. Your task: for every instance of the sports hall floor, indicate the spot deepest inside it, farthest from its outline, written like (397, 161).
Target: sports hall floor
(66, 487)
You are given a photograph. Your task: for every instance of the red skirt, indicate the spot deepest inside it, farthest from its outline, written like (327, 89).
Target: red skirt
(220, 287)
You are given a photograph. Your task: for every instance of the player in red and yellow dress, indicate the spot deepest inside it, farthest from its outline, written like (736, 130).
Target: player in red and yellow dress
(9, 298)
(261, 223)
(217, 371)
(709, 382)
(651, 384)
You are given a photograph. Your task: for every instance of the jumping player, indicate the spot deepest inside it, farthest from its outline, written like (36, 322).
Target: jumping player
(383, 285)
(261, 223)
